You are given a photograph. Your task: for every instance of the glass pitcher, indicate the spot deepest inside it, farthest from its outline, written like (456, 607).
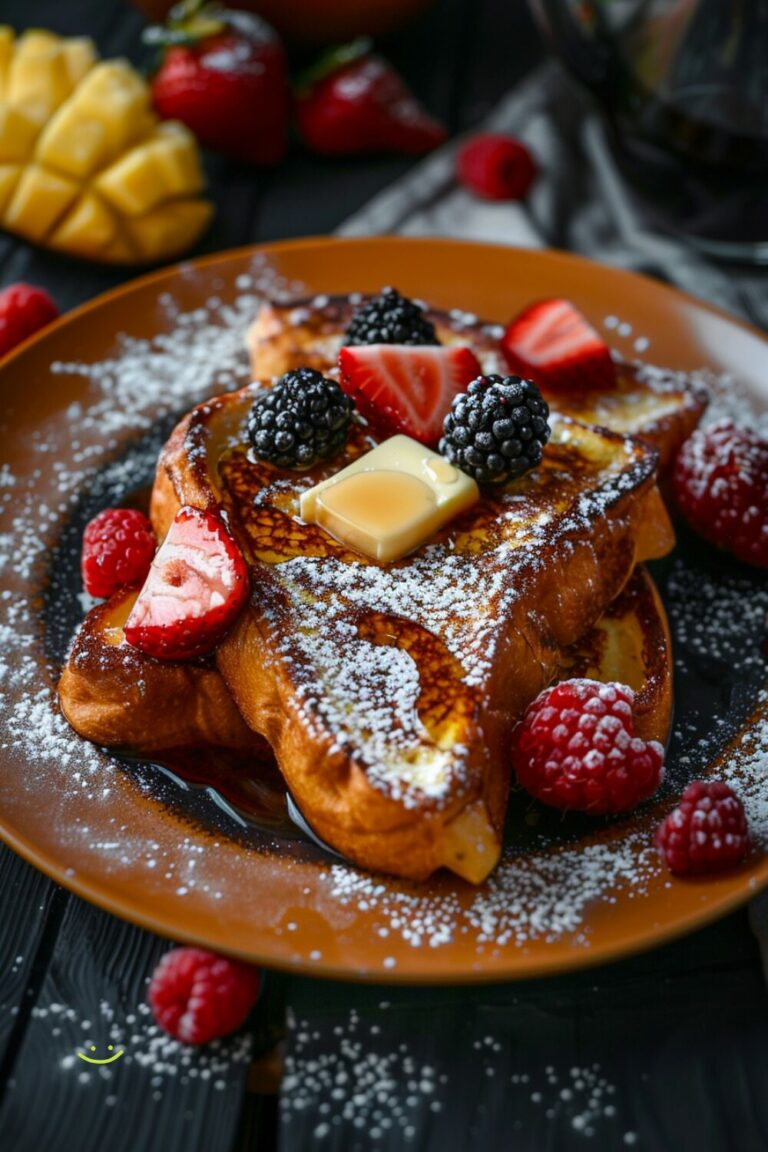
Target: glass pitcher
(684, 85)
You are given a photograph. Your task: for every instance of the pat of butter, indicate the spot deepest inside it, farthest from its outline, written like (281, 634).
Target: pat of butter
(391, 500)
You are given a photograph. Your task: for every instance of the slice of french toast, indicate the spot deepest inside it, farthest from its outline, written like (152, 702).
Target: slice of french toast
(117, 696)
(389, 693)
(659, 407)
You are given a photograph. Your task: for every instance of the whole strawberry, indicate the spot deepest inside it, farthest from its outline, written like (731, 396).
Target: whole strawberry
(223, 74)
(353, 101)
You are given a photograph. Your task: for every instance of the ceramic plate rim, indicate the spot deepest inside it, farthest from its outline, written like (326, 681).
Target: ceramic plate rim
(97, 891)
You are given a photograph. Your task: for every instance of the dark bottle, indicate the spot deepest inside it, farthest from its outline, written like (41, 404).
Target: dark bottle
(684, 84)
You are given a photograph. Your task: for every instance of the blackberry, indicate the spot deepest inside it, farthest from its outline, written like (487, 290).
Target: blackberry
(496, 430)
(303, 418)
(390, 319)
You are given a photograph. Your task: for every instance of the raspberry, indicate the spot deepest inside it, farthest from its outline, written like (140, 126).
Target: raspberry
(721, 487)
(496, 167)
(196, 995)
(576, 748)
(23, 310)
(118, 546)
(707, 832)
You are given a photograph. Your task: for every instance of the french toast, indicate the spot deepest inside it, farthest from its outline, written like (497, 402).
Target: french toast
(388, 694)
(117, 696)
(657, 407)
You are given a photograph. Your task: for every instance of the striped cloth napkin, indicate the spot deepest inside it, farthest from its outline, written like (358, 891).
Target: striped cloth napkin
(579, 203)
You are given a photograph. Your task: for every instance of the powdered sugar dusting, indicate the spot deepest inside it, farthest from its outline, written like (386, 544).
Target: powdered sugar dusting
(356, 1075)
(539, 896)
(129, 393)
(142, 1042)
(540, 893)
(453, 603)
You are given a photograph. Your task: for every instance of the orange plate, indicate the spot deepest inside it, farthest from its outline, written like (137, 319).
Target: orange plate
(88, 824)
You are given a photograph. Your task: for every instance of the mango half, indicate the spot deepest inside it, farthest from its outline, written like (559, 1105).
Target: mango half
(86, 167)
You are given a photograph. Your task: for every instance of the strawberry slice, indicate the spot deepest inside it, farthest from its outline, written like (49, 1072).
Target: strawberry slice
(195, 589)
(401, 388)
(552, 344)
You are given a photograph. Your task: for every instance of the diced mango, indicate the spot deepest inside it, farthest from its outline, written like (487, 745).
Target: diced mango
(87, 230)
(72, 144)
(119, 252)
(18, 133)
(40, 200)
(108, 112)
(85, 166)
(37, 42)
(114, 93)
(79, 56)
(38, 79)
(9, 178)
(6, 52)
(178, 159)
(162, 168)
(169, 229)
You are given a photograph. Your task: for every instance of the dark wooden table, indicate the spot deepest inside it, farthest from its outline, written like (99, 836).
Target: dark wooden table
(665, 1051)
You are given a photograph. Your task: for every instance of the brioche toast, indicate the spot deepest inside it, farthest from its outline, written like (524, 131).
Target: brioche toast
(116, 696)
(659, 407)
(389, 693)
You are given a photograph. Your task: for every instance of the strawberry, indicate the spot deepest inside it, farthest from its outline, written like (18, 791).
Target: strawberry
(195, 589)
(552, 344)
(23, 310)
(353, 101)
(224, 75)
(402, 388)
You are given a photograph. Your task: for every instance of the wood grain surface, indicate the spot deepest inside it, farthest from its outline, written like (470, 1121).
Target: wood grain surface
(665, 1051)
(157, 1096)
(675, 1041)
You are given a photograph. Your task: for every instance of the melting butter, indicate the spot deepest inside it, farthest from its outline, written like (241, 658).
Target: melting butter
(390, 501)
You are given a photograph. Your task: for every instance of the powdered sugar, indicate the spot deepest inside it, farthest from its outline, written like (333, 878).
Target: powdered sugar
(141, 1042)
(539, 896)
(451, 607)
(361, 1089)
(544, 887)
(130, 393)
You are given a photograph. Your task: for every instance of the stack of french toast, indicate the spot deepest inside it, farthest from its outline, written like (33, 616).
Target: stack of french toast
(388, 691)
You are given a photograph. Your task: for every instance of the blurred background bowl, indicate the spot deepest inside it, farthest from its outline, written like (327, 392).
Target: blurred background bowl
(311, 23)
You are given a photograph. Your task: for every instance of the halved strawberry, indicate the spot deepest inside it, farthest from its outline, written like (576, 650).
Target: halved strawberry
(195, 589)
(401, 388)
(552, 344)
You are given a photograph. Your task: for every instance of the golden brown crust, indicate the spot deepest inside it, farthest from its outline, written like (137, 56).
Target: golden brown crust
(114, 695)
(631, 644)
(489, 605)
